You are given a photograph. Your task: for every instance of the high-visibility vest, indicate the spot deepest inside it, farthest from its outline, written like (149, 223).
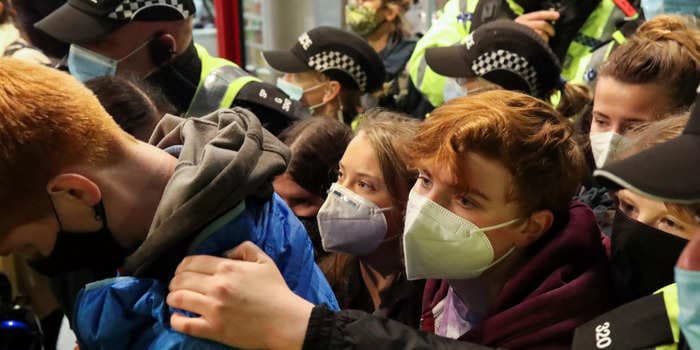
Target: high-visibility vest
(455, 23)
(219, 83)
(650, 322)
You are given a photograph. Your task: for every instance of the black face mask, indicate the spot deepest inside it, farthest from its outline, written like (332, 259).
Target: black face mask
(311, 226)
(177, 77)
(73, 251)
(643, 258)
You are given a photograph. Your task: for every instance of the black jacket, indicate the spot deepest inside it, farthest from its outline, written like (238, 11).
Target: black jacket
(352, 329)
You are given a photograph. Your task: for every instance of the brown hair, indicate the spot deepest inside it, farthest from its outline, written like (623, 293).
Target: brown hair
(390, 133)
(532, 141)
(317, 144)
(50, 121)
(574, 99)
(6, 14)
(401, 28)
(664, 51)
(134, 105)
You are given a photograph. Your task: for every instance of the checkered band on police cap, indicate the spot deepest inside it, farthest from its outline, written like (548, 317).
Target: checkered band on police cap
(130, 8)
(508, 61)
(327, 60)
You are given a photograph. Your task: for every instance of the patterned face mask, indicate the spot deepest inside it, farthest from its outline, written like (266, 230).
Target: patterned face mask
(361, 20)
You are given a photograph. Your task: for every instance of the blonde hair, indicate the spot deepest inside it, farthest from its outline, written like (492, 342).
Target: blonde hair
(48, 121)
(647, 135)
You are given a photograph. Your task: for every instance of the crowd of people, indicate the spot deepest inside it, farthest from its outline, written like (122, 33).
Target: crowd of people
(520, 176)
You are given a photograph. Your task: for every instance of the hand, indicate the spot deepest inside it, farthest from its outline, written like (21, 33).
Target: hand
(540, 22)
(243, 302)
(690, 257)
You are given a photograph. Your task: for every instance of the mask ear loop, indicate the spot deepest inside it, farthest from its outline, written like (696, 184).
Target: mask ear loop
(55, 214)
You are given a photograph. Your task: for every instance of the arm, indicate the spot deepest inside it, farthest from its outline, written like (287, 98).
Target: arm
(244, 302)
(352, 329)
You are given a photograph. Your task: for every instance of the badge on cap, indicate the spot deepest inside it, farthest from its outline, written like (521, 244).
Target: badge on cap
(469, 41)
(305, 41)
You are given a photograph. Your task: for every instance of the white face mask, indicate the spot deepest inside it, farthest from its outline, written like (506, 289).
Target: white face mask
(604, 145)
(440, 244)
(349, 223)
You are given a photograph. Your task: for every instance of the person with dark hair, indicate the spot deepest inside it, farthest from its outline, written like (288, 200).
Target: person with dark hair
(382, 23)
(154, 40)
(573, 29)
(11, 42)
(134, 105)
(29, 12)
(328, 69)
(316, 144)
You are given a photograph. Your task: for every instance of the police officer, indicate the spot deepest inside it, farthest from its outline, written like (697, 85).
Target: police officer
(668, 172)
(328, 69)
(153, 39)
(574, 29)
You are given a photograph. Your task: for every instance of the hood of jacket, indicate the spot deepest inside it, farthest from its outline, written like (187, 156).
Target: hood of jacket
(224, 158)
(563, 283)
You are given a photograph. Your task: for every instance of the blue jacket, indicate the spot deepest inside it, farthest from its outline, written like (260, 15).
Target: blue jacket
(130, 313)
(220, 194)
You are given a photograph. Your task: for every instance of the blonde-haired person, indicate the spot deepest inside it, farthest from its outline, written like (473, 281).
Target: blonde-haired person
(490, 217)
(653, 75)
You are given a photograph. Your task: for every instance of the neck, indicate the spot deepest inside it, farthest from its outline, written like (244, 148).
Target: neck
(481, 292)
(379, 269)
(380, 37)
(330, 109)
(132, 190)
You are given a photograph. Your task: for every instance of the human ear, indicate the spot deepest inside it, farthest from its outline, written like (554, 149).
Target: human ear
(74, 198)
(332, 91)
(536, 225)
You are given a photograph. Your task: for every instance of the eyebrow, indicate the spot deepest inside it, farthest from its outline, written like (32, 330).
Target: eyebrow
(477, 193)
(599, 113)
(361, 174)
